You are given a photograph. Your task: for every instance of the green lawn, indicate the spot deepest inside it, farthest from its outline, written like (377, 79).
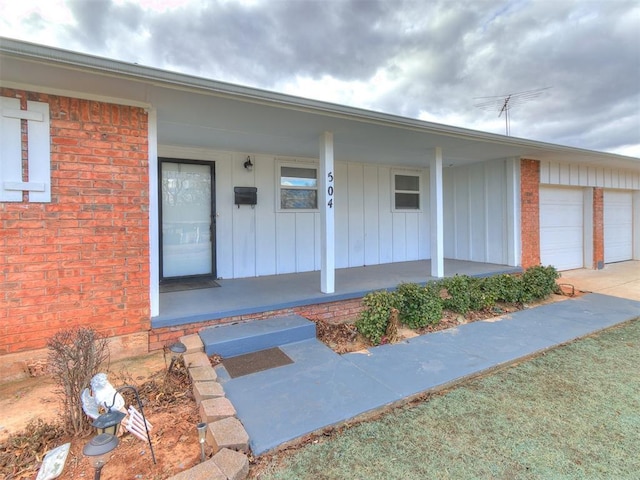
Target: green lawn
(572, 413)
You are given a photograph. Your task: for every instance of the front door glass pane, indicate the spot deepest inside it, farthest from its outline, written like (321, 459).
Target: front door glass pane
(186, 220)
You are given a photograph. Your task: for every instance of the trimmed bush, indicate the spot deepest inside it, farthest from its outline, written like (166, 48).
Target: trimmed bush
(421, 306)
(418, 306)
(539, 282)
(374, 318)
(464, 294)
(505, 288)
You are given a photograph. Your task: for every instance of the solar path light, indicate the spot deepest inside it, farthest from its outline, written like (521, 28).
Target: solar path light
(99, 451)
(202, 436)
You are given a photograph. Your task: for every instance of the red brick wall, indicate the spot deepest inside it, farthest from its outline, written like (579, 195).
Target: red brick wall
(598, 227)
(333, 312)
(83, 259)
(530, 212)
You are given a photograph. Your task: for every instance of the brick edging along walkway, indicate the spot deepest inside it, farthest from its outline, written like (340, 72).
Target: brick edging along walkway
(225, 433)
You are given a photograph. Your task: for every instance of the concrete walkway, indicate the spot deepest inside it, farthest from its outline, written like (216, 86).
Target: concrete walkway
(322, 388)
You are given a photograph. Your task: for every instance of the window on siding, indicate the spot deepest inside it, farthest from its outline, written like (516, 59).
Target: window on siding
(298, 187)
(406, 192)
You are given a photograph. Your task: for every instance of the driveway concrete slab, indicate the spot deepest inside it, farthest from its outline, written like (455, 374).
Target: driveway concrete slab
(616, 279)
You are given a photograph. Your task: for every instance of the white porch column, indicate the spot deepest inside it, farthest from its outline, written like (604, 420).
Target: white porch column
(327, 217)
(154, 216)
(513, 257)
(436, 214)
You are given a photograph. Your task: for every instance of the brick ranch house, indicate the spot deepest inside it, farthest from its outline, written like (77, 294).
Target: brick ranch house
(116, 178)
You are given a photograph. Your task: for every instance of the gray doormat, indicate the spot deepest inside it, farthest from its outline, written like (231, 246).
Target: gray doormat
(255, 362)
(182, 284)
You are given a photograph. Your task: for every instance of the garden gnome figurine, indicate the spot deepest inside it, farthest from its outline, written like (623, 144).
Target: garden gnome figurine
(103, 395)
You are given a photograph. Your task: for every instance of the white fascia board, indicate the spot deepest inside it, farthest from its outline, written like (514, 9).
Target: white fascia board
(75, 94)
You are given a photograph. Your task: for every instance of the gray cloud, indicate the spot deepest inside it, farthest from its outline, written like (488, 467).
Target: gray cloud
(441, 54)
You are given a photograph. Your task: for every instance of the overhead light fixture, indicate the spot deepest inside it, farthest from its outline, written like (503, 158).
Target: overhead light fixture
(247, 164)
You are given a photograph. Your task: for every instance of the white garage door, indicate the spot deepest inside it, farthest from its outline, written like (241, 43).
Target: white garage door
(561, 227)
(618, 226)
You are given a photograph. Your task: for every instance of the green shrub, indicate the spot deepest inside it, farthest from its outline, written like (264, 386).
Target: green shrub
(374, 319)
(539, 282)
(421, 306)
(505, 288)
(464, 294)
(418, 306)
(481, 295)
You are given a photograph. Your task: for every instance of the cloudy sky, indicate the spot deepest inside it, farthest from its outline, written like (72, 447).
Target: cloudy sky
(435, 60)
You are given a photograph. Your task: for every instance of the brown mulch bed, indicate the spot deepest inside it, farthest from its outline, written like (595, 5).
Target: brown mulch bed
(168, 405)
(344, 338)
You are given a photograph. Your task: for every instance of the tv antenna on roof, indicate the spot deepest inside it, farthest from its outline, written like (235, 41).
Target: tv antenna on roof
(504, 103)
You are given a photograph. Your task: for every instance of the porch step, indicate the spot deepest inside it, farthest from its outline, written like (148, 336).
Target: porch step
(247, 337)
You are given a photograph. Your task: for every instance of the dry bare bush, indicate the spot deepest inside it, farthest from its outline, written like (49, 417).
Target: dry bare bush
(74, 357)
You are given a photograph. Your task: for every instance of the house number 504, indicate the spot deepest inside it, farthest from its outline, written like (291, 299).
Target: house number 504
(330, 189)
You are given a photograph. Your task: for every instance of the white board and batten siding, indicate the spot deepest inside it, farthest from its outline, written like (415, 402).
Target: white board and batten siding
(563, 213)
(265, 240)
(368, 231)
(581, 175)
(476, 205)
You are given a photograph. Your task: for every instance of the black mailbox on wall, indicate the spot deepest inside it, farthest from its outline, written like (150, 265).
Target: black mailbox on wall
(245, 195)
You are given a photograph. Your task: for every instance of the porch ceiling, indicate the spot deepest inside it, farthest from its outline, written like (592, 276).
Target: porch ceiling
(201, 113)
(228, 124)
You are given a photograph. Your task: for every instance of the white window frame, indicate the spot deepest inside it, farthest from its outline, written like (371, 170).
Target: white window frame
(279, 186)
(394, 191)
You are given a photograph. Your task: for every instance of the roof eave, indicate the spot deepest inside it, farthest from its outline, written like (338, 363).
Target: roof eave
(41, 53)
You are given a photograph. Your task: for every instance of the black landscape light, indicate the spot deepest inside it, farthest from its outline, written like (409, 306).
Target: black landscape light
(176, 349)
(109, 421)
(99, 451)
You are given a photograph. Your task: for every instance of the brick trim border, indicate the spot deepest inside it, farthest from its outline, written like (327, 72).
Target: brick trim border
(598, 228)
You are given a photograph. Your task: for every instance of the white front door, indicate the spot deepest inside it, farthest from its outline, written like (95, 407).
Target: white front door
(187, 219)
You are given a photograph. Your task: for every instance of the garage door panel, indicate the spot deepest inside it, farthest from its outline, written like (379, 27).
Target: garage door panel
(561, 227)
(562, 216)
(618, 226)
(563, 237)
(563, 259)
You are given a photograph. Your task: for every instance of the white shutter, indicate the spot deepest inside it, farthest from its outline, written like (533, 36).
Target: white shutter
(10, 149)
(38, 151)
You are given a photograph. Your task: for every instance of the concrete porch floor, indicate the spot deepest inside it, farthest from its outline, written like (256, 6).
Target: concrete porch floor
(244, 296)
